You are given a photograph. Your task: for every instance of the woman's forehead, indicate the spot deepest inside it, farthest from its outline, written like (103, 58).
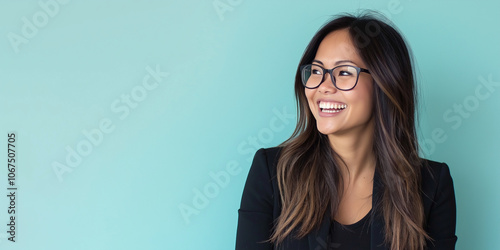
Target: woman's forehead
(337, 46)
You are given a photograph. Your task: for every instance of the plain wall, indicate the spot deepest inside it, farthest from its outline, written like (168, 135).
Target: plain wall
(136, 121)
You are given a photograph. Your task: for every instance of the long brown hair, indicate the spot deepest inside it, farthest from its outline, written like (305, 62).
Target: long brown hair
(308, 171)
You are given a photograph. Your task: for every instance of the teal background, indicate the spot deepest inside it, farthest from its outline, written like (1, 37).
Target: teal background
(228, 92)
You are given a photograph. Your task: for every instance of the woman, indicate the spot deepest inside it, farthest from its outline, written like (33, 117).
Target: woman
(350, 176)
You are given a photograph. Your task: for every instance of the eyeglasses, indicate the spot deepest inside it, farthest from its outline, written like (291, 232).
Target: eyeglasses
(344, 77)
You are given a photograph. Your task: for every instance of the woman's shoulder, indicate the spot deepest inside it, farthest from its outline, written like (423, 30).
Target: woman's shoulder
(436, 184)
(261, 191)
(434, 170)
(270, 153)
(267, 158)
(438, 196)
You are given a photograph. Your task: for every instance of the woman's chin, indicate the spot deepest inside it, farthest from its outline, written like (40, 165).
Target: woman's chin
(326, 130)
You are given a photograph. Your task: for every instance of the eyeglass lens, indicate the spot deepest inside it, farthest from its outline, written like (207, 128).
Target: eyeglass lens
(344, 77)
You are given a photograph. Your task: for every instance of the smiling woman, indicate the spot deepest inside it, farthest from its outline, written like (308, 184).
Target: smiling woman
(350, 176)
(329, 97)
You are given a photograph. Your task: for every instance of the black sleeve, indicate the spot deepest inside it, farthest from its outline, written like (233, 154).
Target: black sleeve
(441, 222)
(255, 216)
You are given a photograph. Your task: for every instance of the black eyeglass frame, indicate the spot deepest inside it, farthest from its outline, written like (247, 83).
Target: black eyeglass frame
(330, 71)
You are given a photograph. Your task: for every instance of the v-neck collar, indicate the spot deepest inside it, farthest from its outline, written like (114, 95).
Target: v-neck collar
(318, 239)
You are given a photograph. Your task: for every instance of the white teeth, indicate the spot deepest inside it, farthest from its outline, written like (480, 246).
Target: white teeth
(331, 110)
(330, 105)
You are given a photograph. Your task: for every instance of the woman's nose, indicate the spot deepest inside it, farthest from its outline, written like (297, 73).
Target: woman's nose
(327, 86)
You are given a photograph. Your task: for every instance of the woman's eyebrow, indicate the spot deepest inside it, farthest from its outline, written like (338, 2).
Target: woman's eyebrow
(336, 63)
(318, 61)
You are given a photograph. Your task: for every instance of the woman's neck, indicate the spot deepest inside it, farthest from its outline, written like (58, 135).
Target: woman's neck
(356, 150)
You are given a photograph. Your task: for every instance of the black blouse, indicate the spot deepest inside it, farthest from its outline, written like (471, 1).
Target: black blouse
(261, 206)
(348, 237)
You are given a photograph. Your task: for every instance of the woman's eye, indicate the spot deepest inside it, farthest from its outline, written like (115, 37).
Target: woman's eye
(345, 73)
(316, 72)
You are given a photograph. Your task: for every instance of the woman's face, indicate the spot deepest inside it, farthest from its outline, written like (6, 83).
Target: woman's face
(338, 49)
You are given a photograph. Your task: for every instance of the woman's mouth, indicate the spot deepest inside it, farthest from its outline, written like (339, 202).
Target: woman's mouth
(331, 107)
